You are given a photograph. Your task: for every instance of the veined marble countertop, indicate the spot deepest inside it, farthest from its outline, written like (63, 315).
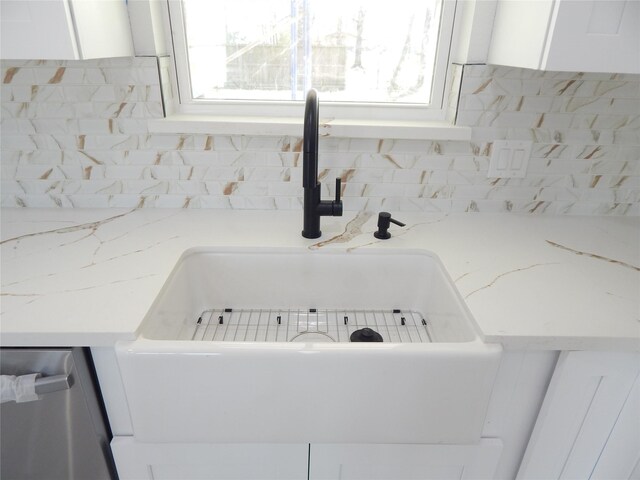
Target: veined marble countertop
(88, 277)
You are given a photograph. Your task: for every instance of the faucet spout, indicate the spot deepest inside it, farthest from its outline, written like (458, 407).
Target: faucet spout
(314, 207)
(310, 140)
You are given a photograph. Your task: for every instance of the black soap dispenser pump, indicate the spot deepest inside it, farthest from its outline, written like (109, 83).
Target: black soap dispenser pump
(384, 222)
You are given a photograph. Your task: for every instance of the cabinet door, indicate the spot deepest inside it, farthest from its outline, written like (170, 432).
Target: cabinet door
(623, 445)
(595, 36)
(588, 426)
(102, 28)
(520, 33)
(184, 461)
(404, 462)
(64, 29)
(37, 29)
(567, 35)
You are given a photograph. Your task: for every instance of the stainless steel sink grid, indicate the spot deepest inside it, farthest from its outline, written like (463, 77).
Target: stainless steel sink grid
(306, 325)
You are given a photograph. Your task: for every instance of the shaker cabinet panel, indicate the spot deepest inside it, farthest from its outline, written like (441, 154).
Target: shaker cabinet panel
(64, 29)
(588, 426)
(623, 445)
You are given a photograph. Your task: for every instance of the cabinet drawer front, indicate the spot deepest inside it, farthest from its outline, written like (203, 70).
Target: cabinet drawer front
(404, 462)
(171, 461)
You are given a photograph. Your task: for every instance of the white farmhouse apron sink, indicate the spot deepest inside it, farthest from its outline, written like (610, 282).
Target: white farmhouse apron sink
(253, 346)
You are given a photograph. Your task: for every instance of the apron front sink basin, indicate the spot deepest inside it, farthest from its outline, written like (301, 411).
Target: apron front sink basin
(254, 346)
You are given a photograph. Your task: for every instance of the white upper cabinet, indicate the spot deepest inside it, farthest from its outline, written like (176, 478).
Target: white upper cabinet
(567, 35)
(64, 29)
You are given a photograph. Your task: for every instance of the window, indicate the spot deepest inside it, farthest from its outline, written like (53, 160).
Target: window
(366, 59)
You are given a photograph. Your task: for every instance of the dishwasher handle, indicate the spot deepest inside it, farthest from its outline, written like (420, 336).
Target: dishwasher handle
(53, 383)
(30, 387)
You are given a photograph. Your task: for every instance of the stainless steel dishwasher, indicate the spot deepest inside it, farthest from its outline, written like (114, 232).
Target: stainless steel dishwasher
(62, 435)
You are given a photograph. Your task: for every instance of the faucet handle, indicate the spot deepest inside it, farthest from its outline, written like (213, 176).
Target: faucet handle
(336, 206)
(332, 208)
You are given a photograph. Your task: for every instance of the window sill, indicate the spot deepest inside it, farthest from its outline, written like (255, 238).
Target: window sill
(405, 130)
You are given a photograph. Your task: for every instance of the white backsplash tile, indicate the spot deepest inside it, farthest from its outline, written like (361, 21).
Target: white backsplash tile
(75, 134)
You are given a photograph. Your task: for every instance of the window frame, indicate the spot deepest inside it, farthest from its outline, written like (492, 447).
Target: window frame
(351, 112)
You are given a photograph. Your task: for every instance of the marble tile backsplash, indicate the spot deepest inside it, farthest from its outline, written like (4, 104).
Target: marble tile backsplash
(75, 134)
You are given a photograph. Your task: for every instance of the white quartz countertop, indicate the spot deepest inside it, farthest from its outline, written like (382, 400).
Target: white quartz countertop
(88, 277)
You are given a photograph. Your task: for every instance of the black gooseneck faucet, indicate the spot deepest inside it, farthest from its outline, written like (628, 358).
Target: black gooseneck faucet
(314, 207)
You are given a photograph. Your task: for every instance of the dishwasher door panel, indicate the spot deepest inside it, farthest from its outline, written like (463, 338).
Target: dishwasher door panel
(62, 435)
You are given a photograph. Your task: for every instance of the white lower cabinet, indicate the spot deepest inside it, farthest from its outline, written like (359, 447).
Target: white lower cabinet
(404, 462)
(572, 416)
(184, 461)
(197, 461)
(589, 423)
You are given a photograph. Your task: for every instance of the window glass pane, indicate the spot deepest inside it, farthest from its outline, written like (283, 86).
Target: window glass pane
(350, 50)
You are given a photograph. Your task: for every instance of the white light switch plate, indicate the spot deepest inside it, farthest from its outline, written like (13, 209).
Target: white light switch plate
(509, 158)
